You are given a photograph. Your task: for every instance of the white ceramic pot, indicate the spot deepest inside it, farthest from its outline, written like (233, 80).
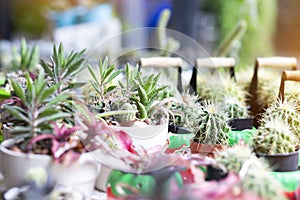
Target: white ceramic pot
(14, 165)
(147, 136)
(80, 175)
(102, 178)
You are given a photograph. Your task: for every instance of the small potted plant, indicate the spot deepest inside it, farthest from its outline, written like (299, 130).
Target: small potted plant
(254, 173)
(43, 126)
(287, 111)
(212, 130)
(276, 142)
(132, 104)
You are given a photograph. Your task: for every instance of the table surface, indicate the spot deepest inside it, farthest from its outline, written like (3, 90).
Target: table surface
(97, 195)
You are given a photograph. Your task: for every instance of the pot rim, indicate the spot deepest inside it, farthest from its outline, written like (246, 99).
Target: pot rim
(278, 154)
(4, 147)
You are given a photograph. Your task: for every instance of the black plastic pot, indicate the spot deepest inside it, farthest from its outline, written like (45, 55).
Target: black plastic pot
(282, 162)
(215, 173)
(239, 124)
(178, 129)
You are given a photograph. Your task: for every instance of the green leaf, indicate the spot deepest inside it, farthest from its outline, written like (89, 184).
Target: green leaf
(20, 129)
(18, 90)
(61, 54)
(111, 88)
(142, 111)
(47, 112)
(92, 72)
(142, 95)
(114, 75)
(149, 83)
(107, 73)
(50, 118)
(46, 93)
(96, 87)
(34, 58)
(57, 99)
(17, 112)
(30, 90)
(4, 94)
(47, 69)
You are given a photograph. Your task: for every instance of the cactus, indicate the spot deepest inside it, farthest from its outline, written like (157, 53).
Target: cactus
(122, 105)
(274, 137)
(235, 108)
(256, 178)
(234, 158)
(288, 112)
(213, 89)
(213, 127)
(254, 172)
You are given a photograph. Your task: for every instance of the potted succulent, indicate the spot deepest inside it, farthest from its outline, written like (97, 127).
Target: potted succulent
(43, 125)
(287, 111)
(255, 174)
(276, 142)
(212, 130)
(184, 119)
(132, 104)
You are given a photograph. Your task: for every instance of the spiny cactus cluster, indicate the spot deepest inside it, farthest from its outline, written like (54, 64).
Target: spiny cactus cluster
(233, 158)
(235, 108)
(256, 177)
(288, 112)
(122, 105)
(213, 127)
(254, 172)
(274, 137)
(185, 112)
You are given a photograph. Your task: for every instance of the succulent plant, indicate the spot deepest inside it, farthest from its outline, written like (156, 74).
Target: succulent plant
(274, 137)
(213, 127)
(186, 112)
(256, 178)
(26, 60)
(235, 108)
(123, 105)
(102, 79)
(233, 158)
(146, 93)
(254, 172)
(217, 87)
(287, 111)
(63, 68)
(39, 106)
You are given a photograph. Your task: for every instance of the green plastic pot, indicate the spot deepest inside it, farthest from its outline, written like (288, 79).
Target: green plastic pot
(236, 136)
(177, 140)
(144, 183)
(289, 180)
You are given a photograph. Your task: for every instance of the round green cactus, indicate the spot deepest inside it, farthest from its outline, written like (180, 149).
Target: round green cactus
(234, 158)
(274, 137)
(126, 106)
(288, 112)
(256, 178)
(235, 108)
(213, 125)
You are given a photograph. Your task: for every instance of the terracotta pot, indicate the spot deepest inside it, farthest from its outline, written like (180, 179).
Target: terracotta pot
(205, 149)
